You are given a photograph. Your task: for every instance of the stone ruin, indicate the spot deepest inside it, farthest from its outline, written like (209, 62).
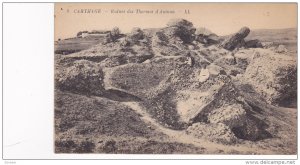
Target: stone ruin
(185, 77)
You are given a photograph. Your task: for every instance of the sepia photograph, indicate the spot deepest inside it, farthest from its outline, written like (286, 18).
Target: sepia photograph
(175, 78)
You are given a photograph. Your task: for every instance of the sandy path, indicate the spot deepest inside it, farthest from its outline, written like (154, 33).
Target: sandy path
(181, 137)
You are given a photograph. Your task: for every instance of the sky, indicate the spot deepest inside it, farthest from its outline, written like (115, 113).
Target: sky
(220, 18)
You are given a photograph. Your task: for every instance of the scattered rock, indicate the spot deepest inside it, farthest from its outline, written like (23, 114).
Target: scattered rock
(281, 49)
(191, 47)
(242, 59)
(113, 61)
(268, 44)
(214, 48)
(110, 146)
(227, 59)
(147, 61)
(221, 51)
(253, 44)
(161, 46)
(213, 52)
(230, 115)
(234, 71)
(198, 61)
(216, 132)
(204, 75)
(245, 56)
(124, 42)
(215, 70)
(228, 63)
(189, 61)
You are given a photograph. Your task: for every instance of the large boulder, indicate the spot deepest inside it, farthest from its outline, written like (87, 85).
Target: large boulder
(174, 39)
(180, 28)
(136, 35)
(205, 36)
(195, 105)
(215, 70)
(162, 45)
(273, 76)
(203, 75)
(180, 23)
(236, 40)
(231, 119)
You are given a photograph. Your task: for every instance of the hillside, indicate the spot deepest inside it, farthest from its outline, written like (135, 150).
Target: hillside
(273, 34)
(73, 45)
(286, 37)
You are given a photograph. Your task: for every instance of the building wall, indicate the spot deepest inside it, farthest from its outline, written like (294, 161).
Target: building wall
(84, 35)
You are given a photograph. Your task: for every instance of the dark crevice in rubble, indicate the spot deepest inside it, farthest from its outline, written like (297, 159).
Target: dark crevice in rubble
(255, 107)
(290, 102)
(254, 129)
(121, 96)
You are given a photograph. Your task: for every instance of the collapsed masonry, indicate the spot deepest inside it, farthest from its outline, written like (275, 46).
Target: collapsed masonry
(184, 77)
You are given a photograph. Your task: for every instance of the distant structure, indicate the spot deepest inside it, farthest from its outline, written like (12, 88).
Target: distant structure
(94, 34)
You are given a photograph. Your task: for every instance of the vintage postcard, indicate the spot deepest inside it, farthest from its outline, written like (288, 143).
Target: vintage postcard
(176, 78)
